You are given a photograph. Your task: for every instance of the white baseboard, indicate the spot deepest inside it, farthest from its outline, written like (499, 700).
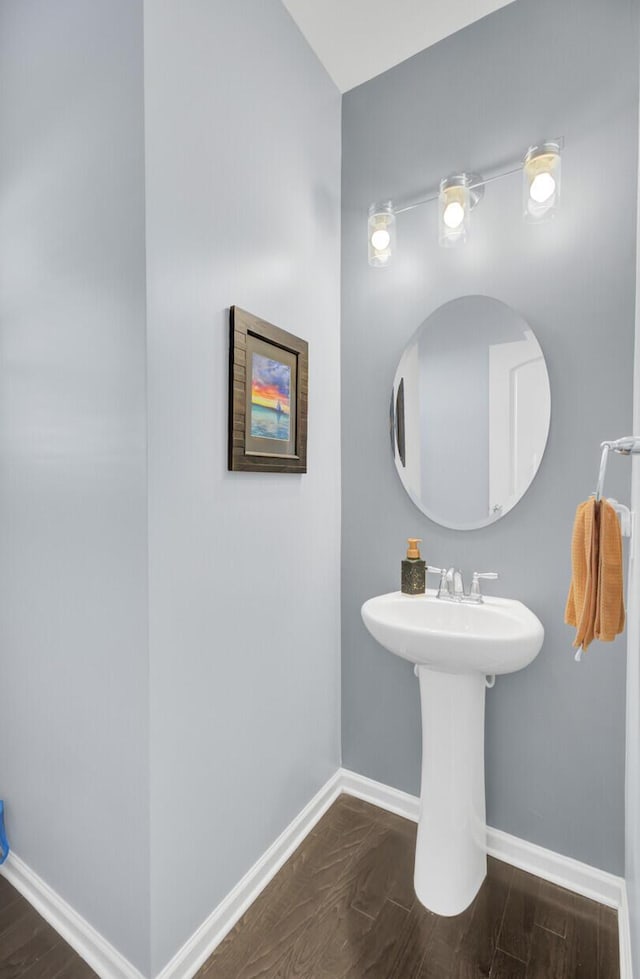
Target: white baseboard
(83, 937)
(579, 877)
(383, 796)
(110, 964)
(199, 947)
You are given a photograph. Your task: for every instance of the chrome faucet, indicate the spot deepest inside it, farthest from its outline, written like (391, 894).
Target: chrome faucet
(451, 587)
(455, 583)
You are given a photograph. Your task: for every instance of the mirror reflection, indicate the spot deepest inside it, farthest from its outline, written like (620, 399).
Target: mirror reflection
(470, 412)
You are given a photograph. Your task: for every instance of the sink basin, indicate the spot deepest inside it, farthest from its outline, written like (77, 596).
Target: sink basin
(499, 636)
(454, 646)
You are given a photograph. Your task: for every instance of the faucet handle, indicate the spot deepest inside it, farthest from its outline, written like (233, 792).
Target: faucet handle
(442, 587)
(475, 583)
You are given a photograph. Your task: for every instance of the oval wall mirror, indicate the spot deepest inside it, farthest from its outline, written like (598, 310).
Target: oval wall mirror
(470, 412)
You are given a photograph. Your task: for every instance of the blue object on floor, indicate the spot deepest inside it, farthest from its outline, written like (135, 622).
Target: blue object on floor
(4, 842)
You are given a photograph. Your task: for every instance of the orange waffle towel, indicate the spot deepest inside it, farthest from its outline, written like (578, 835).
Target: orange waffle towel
(610, 605)
(583, 592)
(595, 605)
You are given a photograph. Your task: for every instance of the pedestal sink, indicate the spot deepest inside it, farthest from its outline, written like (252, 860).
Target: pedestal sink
(455, 646)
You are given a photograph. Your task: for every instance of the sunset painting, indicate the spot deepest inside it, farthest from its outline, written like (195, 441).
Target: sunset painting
(270, 408)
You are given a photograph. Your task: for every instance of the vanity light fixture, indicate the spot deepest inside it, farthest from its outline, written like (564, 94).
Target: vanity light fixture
(541, 181)
(382, 234)
(460, 193)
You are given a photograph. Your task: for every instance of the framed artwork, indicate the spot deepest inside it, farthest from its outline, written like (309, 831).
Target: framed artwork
(268, 387)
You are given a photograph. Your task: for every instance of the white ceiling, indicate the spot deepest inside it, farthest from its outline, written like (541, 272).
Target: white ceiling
(358, 39)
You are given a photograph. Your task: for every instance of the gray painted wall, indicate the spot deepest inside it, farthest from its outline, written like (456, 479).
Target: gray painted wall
(243, 206)
(74, 665)
(537, 68)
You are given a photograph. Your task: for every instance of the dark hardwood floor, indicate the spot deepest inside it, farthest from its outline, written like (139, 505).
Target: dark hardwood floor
(29, 947)
(343, 907)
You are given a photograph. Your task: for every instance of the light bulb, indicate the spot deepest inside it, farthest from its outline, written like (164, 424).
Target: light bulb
(380, 239)
(541, 184)
(454, 209)
(453, 215)
(543, 187)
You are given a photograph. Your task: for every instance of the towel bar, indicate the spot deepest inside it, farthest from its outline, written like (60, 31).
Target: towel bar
(628, 445)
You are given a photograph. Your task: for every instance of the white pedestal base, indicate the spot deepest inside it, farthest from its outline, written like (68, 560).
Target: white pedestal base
(451, 861)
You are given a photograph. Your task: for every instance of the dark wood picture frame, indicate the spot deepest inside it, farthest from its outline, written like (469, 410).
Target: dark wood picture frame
(246, 453)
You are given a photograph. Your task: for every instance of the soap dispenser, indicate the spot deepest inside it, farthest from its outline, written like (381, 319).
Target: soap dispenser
(413, 570)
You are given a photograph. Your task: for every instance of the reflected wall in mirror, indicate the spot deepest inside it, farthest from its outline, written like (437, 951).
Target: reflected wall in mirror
(470, 411)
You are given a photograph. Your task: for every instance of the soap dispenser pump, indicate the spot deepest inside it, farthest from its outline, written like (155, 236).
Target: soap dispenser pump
(413, 570)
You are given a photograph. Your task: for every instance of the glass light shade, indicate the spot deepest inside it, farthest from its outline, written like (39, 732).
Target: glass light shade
(381, 235)
(541, 181)
(454, 208)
